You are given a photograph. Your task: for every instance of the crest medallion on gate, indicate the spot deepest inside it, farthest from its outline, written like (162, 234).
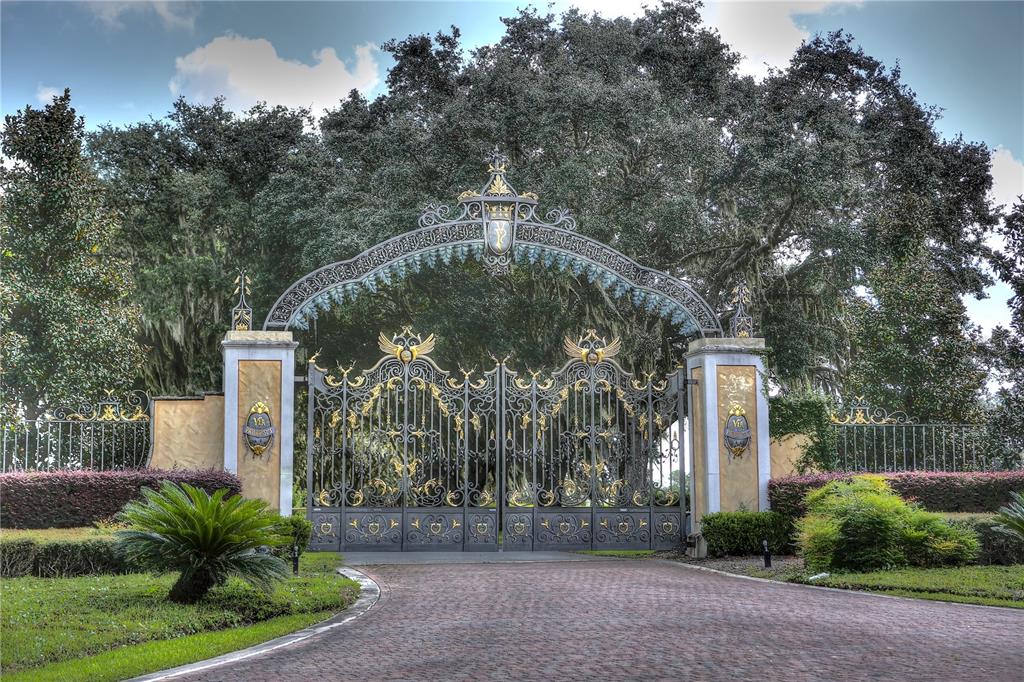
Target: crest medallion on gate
(259, 429)
(498, 230)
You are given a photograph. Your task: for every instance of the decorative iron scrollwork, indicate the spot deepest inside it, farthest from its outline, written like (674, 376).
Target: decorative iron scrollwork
(861, 413)
(498, 226)
(373, 529)
(406, 443)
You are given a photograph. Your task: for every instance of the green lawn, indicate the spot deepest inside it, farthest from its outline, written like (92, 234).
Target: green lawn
(53, 534)
(989, 585)
(624, 553)
(100, 628)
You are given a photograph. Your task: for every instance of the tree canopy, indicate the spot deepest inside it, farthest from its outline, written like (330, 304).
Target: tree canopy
(67, 298)
(825, 186)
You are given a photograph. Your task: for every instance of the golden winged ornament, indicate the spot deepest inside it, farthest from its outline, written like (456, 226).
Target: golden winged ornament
(406, 352)
(591, 348)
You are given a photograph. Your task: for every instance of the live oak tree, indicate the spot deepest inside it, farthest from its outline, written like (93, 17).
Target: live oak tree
(187, 187)
(811, 185)
(68, 316)
(1007, 344)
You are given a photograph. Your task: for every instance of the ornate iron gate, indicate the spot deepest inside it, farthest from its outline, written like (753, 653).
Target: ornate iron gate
(404, 456)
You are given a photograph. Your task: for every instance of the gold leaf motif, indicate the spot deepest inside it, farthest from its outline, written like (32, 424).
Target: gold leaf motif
(499, 186)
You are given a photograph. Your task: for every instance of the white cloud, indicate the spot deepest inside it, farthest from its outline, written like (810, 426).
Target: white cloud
(248, 70)
(766, 33)
(172, 14)
(1007, 177)
(607, 8)
(45, 93)
(1007, 185)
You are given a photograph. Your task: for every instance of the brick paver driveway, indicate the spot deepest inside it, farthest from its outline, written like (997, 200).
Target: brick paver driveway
(640, 620)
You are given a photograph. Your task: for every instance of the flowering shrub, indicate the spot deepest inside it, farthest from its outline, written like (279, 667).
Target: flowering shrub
(969, 491)
(66, 499)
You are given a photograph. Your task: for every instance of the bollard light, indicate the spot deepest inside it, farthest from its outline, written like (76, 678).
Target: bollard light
(767, 554)
(295, 559)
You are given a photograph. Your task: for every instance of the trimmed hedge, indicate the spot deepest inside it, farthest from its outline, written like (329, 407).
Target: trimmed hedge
(59, 558)
(66, 499)
(740, 533)
(997, 547)
(936, 491)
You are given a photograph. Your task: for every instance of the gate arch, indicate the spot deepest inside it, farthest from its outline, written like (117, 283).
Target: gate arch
(497, 226)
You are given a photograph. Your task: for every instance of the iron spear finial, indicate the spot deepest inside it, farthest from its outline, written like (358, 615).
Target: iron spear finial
(241, 314)
(741, 326)
(496, 161)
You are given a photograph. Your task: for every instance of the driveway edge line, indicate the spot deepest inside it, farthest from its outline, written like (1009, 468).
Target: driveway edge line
(836, 589)
(369, 595)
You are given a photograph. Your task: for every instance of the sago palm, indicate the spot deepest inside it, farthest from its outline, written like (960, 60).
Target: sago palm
(1010, 518)
(206, 537)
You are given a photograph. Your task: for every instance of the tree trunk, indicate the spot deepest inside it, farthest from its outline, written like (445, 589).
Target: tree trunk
(191, 586)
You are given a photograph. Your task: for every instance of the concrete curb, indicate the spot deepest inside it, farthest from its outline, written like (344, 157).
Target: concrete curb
(369, 594)
(837, 589)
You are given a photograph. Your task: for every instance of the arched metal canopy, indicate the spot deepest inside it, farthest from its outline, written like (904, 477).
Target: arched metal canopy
(497, 226)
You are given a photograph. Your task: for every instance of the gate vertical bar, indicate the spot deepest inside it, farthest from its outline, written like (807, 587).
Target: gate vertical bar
(499, 455)
(686, 493)
(534, 489)
(310, 443)
(651, 450)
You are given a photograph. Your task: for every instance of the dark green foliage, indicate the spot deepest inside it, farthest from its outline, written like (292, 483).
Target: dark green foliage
(996, 547)
(17, 557)
(1011, 517)
(60, 558)
(298, 529)
(206, 538)
(914, 346)
(800, 183)
(968, 491)
(741, 533)
(808, 413)
(1006, 349)
(68, 318)
(862, 525)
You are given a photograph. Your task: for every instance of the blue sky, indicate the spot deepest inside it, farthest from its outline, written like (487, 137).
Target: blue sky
(126, 61)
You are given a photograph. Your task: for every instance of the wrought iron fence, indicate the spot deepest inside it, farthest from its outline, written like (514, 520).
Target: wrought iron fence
(871, 439)
(113, 433)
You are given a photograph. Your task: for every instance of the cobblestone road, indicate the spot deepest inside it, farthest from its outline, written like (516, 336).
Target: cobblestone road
(639, 620)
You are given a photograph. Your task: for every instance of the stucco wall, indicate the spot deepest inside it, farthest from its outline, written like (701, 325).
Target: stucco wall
(188, 433)
(785, 453)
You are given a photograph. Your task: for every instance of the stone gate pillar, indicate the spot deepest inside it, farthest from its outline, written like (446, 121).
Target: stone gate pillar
(259, 385)
(730, 456)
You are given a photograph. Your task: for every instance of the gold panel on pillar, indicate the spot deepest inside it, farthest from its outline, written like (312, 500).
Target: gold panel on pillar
(260, 381)
(737, 472)
(700, 493)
